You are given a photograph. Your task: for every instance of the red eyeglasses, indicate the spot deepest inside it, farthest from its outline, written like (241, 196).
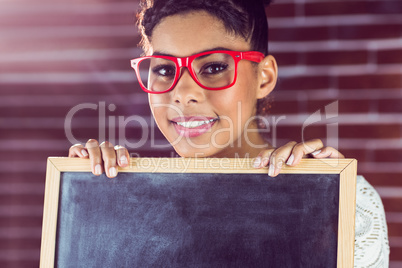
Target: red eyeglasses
(213, 70)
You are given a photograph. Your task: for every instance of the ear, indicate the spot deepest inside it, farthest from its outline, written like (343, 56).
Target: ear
(267, 76)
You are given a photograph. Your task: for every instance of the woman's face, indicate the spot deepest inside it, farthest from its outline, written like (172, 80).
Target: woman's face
(224, 114)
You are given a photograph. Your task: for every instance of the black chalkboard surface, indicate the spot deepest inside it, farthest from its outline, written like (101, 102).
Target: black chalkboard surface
(190, 219)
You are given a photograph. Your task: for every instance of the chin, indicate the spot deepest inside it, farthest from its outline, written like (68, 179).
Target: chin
(189, 148)
(194, 153)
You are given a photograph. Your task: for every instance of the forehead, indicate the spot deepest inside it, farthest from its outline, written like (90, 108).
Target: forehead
(190, 33)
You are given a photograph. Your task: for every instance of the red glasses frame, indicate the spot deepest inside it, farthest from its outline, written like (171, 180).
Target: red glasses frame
(237, 56)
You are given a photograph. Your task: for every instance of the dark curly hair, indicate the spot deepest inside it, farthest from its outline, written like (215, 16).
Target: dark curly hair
(242, 17)
(245, 18)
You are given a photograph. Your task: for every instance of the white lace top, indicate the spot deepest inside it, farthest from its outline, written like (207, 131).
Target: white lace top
(371, 234)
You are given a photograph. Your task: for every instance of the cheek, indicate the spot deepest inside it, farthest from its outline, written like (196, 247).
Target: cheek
(247, 91)
(242, 98)
(235, 108)
(158, 106)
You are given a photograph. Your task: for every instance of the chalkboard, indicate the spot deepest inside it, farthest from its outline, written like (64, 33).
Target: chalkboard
(200, 217)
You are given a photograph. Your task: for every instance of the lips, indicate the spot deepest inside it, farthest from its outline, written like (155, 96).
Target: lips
(193, 126)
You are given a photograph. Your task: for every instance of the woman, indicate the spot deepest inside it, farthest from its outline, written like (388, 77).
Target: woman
(208, 74)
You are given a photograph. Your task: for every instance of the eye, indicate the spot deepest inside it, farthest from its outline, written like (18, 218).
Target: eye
(214, 68)
(164, 70)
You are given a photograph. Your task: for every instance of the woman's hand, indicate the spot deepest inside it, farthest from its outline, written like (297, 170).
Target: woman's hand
(291, 154)
(104, 157)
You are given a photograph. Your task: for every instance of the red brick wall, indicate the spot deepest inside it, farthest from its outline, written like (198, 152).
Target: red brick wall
(55, 55)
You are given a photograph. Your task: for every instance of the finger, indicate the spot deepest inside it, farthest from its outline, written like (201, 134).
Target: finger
(94, 152)
(279, 157)
(122, 155)
(78, 150)
(109, 159)
(263, 158)
(302, 149)
(327, 152)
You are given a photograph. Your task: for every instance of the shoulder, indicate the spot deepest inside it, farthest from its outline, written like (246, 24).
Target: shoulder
(367, 196)
(371, 234)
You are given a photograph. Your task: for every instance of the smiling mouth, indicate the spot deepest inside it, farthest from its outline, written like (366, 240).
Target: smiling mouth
(193, 126)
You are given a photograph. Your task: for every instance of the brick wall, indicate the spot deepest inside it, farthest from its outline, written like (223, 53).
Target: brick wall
(57, 55)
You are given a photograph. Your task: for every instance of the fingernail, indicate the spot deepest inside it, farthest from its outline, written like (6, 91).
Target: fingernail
(290, 160)
(84, 153)
(257, 162)
(316, 152)
(98, 169)
(271, 170)
(265, 161)
(123, 160)
(112, 172)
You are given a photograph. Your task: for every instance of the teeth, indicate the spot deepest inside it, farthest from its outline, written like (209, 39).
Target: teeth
(193, 124)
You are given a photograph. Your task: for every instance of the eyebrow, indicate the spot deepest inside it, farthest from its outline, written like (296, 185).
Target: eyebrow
(159, 53)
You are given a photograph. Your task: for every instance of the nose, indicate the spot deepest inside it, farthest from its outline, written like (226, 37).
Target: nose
(187, 91)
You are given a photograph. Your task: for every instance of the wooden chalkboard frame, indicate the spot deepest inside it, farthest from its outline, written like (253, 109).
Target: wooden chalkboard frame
(346, 168)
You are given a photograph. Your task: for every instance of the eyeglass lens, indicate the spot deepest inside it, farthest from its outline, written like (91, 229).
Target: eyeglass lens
(212, 71)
